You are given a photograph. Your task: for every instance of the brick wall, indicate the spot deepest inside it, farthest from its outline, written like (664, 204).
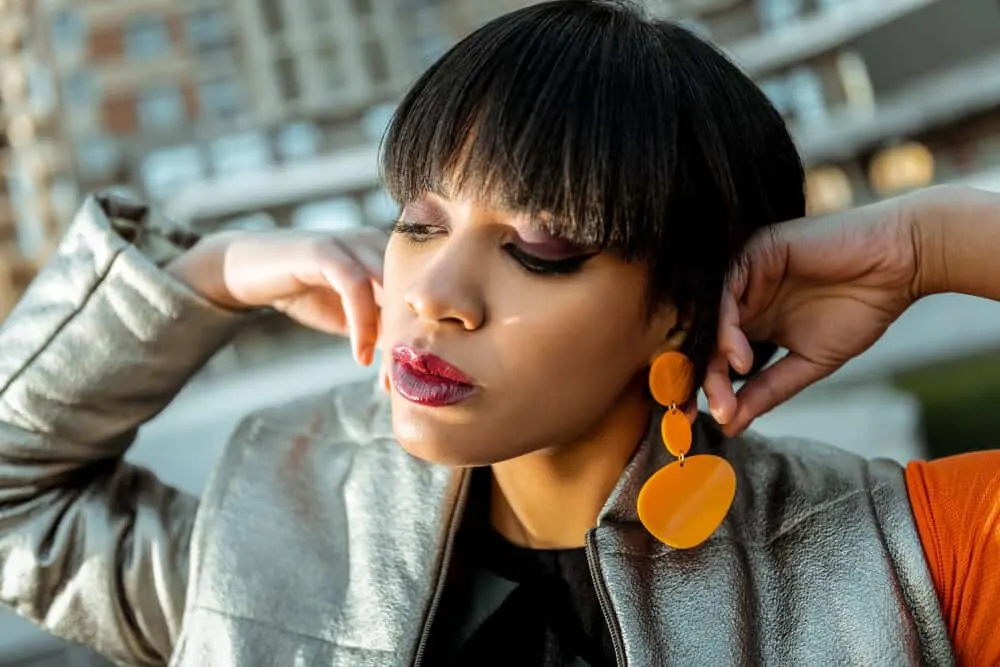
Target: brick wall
(105, 43)
(118, 113)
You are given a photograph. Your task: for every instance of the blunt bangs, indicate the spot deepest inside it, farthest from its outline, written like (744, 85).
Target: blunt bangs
(633, 134)
(563, 108)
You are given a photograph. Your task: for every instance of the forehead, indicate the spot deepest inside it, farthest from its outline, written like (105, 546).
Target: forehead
(450, 204)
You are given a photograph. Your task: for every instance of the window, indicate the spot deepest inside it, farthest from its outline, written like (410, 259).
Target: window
(165, 170)
(208, 30)
(376, 120)
(240, 153)
(380, 209)
(288, 78)
(378, 66)
(41, 88)
(258, 221)
(146, 37)
(80, 89)
(273, 14)
(332, 66)
(68, 31)
(297, 141)
(221, 98)
(330, 214)
(774, 14)
(97, 156)
(161, 107)
(321, 11)
(430, 48)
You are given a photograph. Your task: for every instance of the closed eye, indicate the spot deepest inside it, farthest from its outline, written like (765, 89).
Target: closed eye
(548, 267)
(417, 232)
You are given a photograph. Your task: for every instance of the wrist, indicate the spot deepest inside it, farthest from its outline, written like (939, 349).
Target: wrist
(201, 268)
(920, 216)
(957, 239)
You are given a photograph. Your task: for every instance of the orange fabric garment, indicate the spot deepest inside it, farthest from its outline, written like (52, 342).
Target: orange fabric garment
(956, 503)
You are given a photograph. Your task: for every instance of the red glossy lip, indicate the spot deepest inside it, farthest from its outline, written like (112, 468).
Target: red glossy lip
(428, 380)
(424, 363)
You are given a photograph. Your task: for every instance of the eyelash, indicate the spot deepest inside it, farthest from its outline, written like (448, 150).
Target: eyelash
(416, 232)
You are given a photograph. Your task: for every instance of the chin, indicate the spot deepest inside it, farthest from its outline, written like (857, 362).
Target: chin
(453, 445)
(425, 440)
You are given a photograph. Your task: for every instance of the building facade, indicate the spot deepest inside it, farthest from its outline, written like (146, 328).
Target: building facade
(268, 112)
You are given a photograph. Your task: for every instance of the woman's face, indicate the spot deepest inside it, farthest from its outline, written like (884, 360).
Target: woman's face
(502, 339)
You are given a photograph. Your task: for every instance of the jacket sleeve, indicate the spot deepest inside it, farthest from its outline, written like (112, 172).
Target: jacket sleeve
(92, 548)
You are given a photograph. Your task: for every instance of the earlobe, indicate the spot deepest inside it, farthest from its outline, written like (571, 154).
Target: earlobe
(675, 332)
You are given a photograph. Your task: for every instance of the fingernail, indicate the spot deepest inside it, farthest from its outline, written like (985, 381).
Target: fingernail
(738, 361)
(718, 414)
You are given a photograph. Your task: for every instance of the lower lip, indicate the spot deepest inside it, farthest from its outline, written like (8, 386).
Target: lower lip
(429, 390)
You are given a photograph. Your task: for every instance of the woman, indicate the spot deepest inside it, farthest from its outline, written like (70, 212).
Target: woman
(576, 182)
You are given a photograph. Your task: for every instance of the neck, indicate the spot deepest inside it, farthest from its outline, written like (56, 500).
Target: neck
(550, 498)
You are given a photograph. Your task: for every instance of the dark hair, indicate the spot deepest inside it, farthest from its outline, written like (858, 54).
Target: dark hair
(639, 137)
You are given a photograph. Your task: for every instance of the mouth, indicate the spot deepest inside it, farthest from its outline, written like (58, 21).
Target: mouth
(426, 379)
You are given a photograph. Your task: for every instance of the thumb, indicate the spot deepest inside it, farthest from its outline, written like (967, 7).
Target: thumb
(771, 387)
(756, 277)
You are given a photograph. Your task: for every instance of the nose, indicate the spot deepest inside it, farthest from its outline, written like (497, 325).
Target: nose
(448, 290)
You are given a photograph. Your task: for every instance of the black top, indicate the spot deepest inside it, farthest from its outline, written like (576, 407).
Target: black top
(514, 606)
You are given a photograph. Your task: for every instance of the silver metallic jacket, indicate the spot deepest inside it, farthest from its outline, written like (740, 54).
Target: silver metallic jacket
(320, 542)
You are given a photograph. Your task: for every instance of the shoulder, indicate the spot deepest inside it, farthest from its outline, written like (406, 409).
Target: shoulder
(788, 484)
(810, 467)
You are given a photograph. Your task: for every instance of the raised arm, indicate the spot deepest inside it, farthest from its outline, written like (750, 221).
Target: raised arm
(92, 548)
(827, 288)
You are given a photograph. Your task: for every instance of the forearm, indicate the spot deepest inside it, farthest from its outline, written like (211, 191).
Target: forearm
(958, 241)
(103, 339)
(94, 549)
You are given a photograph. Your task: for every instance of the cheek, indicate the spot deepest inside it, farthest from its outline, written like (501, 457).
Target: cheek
(578, 351)
(568, 356)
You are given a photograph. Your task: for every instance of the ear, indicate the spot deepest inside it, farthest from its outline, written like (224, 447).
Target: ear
(671, 328)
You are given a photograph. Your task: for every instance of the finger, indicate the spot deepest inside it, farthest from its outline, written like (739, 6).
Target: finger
(732, 341)
(771, 387)
(368, 248)
(755, 279)
(352, 282)
(719, 389)
(736, 281)
(383, 377)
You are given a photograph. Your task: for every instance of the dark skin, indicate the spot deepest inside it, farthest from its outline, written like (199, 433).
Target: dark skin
(826, 289)
(559, 359)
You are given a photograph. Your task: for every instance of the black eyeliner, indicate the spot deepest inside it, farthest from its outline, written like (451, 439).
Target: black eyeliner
(546, 266)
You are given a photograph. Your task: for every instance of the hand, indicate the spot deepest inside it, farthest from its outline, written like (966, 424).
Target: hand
(328, 282)
(825, 289)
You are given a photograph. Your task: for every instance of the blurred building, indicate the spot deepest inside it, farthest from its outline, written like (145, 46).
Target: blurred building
(268, 113)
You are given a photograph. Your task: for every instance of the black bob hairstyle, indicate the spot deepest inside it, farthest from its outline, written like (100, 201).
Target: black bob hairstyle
(636, 135)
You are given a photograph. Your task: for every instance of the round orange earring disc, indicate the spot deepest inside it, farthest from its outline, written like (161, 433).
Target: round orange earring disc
(670, 378)
(683, 504)
(676, 431)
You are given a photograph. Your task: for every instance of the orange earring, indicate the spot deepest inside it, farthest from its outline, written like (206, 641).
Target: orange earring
(685, 501)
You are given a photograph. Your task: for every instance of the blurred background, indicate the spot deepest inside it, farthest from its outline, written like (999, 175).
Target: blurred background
(267, 113)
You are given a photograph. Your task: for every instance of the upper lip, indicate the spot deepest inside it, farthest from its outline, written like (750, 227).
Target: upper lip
(429, 364)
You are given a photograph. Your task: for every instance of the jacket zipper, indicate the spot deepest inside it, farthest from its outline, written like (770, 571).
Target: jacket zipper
(449, 544)
(604, 598)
